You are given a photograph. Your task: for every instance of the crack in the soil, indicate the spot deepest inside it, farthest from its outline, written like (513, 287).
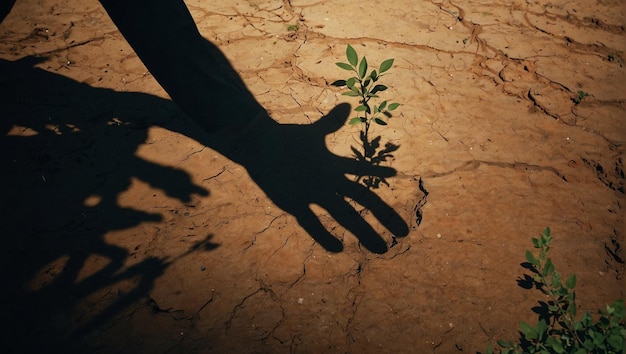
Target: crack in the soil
(355, 297)
(233, 313)
(224, 169)
(254, 237)
(615, 254)
(193, 153)
(474, 164)
(613, 179)
(420, 203)
(206, 303)
(263, 288)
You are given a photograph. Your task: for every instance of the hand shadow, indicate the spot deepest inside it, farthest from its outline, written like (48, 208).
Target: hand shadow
(289, 162)
(293, 166)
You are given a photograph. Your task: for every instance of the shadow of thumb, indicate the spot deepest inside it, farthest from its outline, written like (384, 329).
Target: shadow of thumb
(335, 119)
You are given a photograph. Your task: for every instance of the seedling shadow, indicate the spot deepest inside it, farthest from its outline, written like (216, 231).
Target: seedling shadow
(374, 155)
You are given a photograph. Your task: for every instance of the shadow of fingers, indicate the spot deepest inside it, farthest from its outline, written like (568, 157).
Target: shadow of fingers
(311, 224)
(381, 210)
(350, 219)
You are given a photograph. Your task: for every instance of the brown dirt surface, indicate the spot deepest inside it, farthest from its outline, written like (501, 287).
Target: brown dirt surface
(123, 236)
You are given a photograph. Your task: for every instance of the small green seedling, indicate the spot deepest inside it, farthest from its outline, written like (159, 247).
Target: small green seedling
(365, 87)
(581, 95)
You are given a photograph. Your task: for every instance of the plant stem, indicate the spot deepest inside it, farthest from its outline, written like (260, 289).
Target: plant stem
(569, 322)
(365, 101)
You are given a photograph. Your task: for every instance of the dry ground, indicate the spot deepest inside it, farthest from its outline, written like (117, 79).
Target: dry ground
(124, 236)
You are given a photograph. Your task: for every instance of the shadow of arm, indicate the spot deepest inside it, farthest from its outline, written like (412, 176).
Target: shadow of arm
(192, 70)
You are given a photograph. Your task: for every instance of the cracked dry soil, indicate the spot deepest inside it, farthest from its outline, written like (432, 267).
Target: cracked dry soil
(124, 237)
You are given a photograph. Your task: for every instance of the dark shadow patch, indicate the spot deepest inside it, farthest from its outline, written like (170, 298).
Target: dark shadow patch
(63, 143)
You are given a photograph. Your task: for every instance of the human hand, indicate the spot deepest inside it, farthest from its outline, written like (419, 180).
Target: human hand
(293, 166)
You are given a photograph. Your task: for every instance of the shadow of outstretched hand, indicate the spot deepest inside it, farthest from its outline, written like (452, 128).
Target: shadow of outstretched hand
(293, 166)
(289, 162)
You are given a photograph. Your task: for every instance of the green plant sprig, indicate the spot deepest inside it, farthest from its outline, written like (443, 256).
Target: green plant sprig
(563, 297)
(366, 87)
(561, 332)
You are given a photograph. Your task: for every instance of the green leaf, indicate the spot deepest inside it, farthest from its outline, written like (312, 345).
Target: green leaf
(393, 106)
(374, 75)
(351, 94)
(528, 331)
(378, 88)
(353, 58)
(361, 108)
(350, 83)
(382, 106)
(363, 68)
(571, 281)
(561, 291)
(542, 327)
(604, 322)
(599, 340)
(556, 281)
(489, 349)
(545, 237)
(339, 83)
(548, 268)
(531, 258)
(386, 65)
(345, 66)
(580, 351)
(618, 309)
(354, 121)
(572, 310)
(553, 308)
(504, 343)
(380, 121)
(555, 344)
(536, 242)
(616, 341)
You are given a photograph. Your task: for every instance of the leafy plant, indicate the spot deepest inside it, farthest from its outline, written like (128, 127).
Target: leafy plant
(558, 330)
(366, 87)
(581, 95)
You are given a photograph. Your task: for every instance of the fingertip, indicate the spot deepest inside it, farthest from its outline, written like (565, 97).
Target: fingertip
(342, 108)
(398, 227)
(336, 118)
(311, 224)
